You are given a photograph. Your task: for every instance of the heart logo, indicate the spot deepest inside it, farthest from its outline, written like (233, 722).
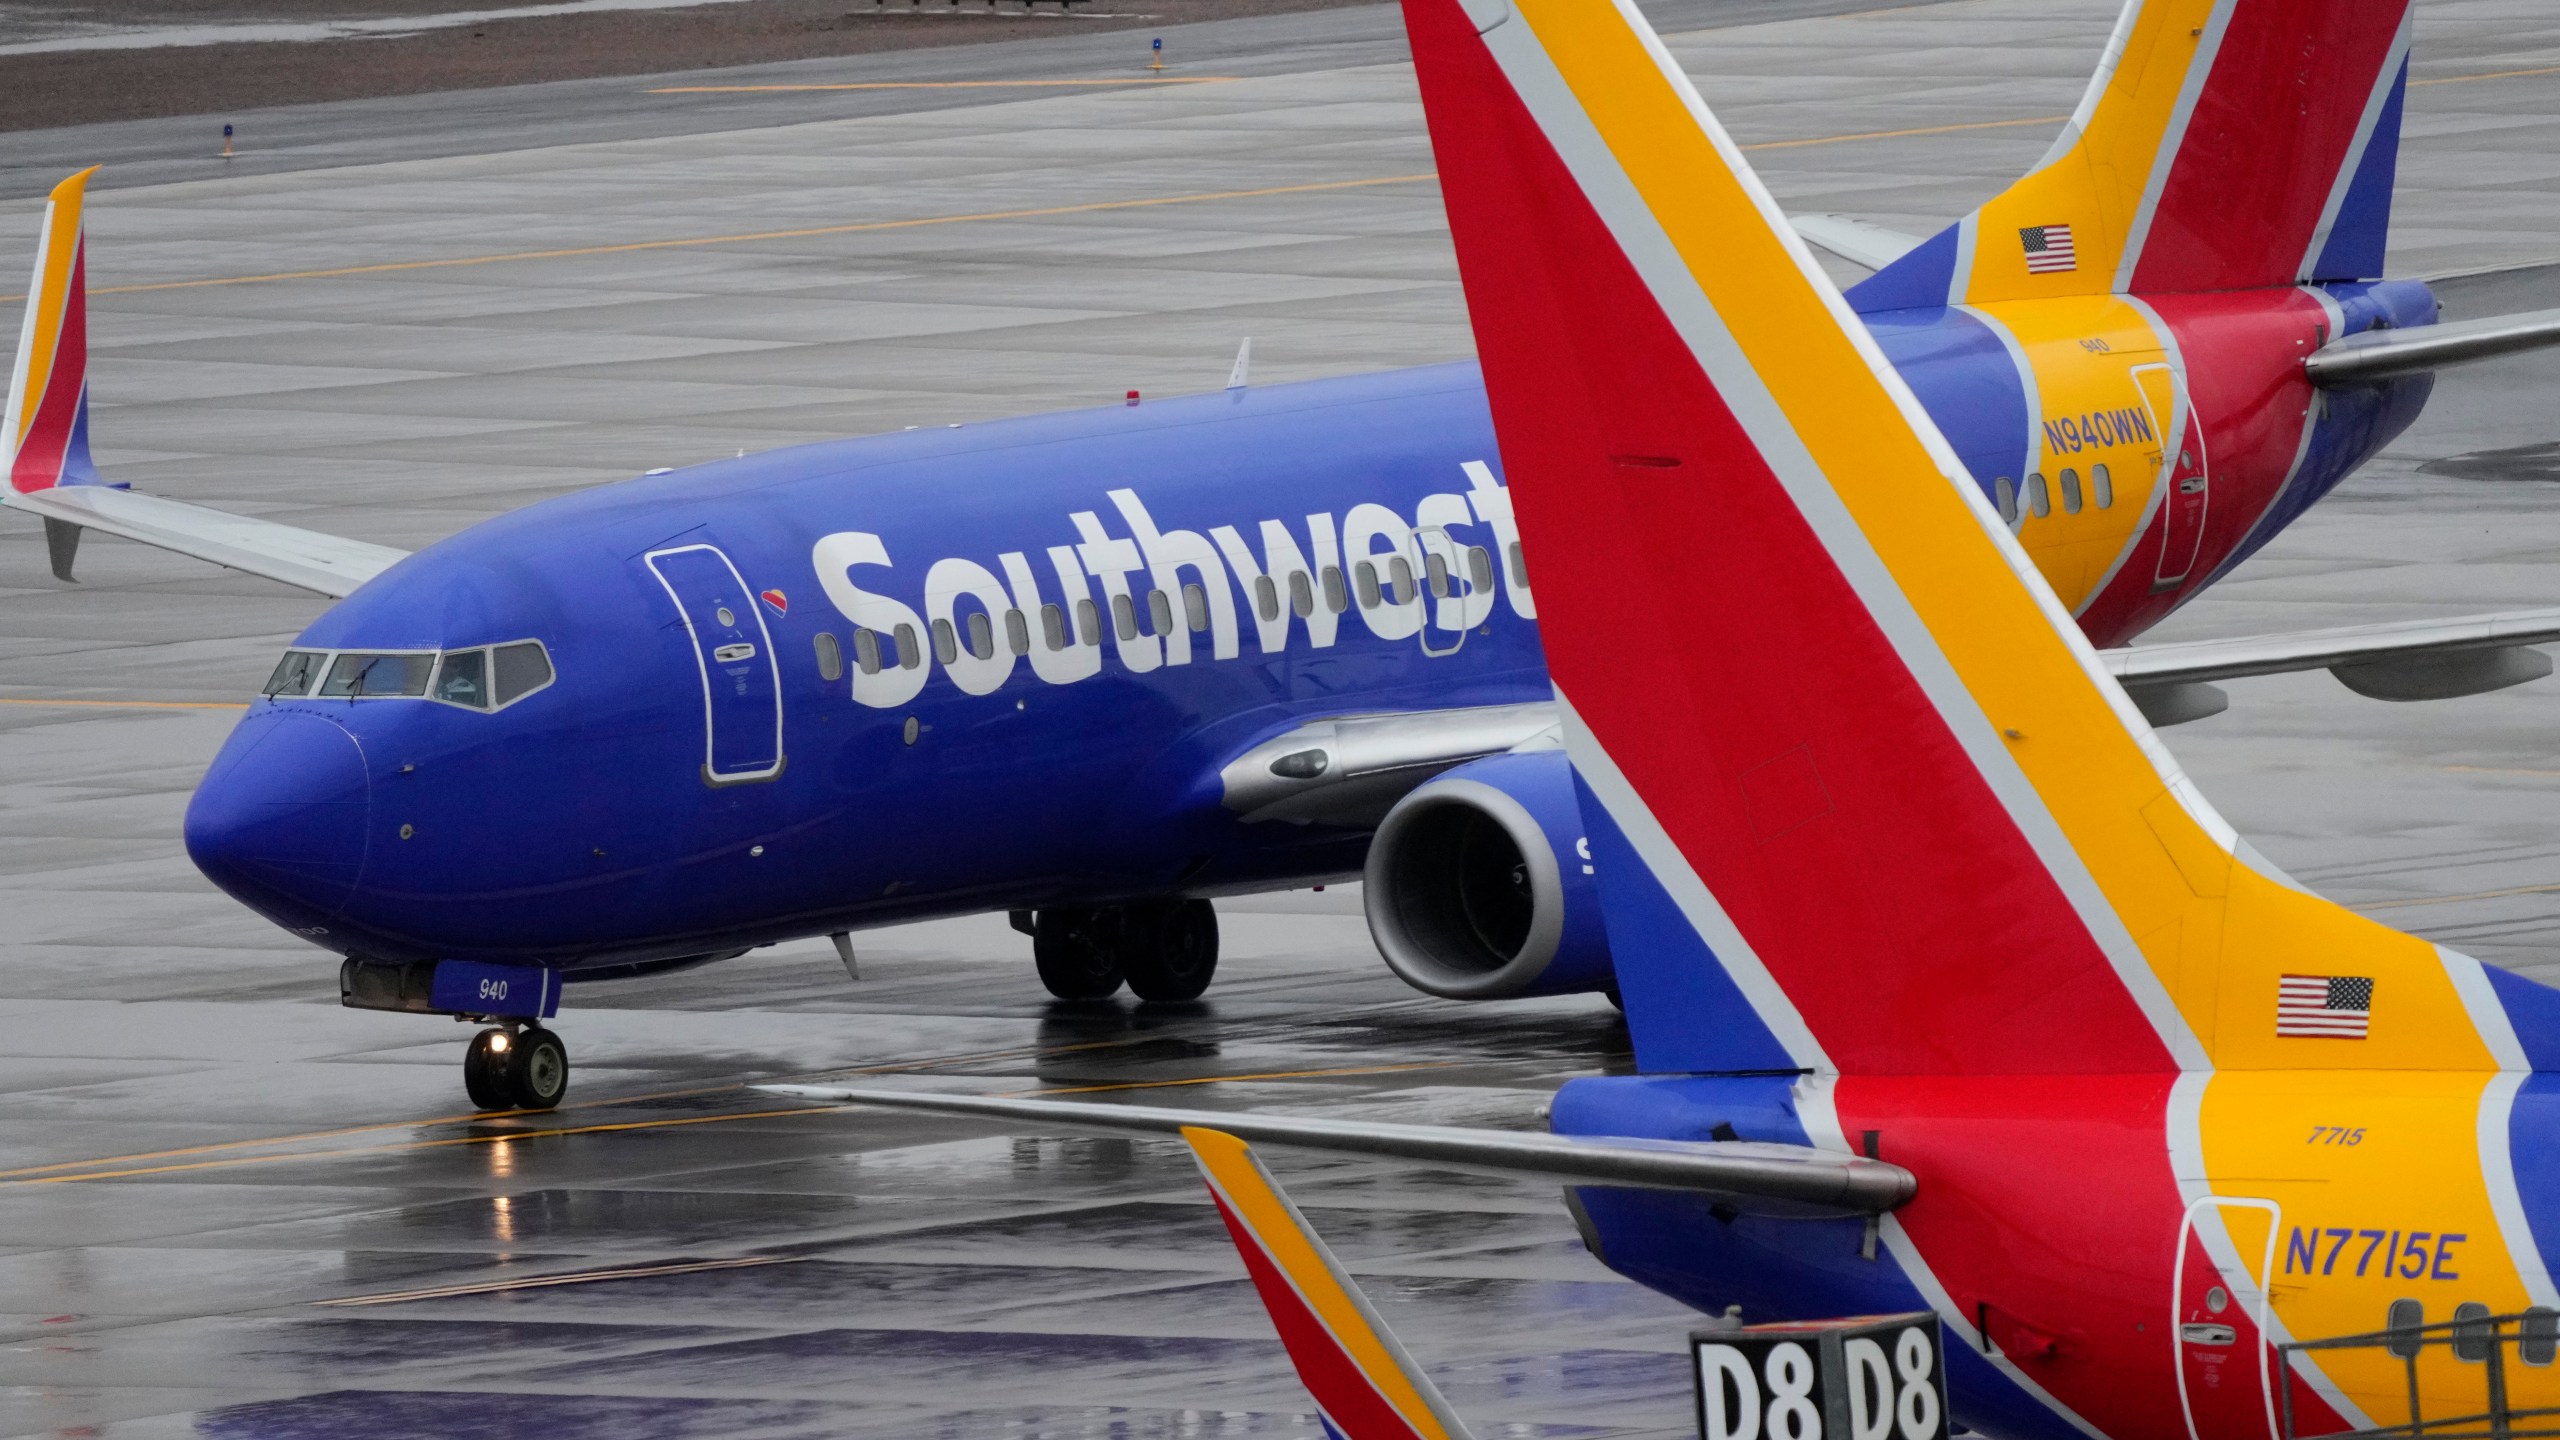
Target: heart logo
(780, 602)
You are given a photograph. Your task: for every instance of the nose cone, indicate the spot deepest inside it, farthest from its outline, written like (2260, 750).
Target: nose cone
(282, 819)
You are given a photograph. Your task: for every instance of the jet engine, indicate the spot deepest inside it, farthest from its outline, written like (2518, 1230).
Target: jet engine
(1478, 885)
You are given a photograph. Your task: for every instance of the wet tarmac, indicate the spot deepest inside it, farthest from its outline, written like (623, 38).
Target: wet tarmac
(229, 1207)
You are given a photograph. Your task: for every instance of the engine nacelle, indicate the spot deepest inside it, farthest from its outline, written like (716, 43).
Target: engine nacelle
(1477, 885)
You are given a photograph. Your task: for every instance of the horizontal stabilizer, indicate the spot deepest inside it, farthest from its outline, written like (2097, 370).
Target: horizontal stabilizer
(1766, 1179)
(1365, 1384)
(2385, 354)
(2328, 649)
(308, 559)
(1855, 241)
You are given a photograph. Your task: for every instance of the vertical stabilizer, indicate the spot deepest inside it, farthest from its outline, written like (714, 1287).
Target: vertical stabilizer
(1845, 732)
(1364, 1384)
(47, 423)
(2222, 145)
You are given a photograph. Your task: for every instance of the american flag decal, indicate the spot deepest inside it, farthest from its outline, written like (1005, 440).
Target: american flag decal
(2333, 1007)
(2049, 249)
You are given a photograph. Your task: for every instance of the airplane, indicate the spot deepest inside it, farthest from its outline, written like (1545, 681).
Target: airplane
(1089, 669)
(1950, 993)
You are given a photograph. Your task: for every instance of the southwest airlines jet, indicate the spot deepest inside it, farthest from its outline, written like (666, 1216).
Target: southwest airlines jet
(1098, 668)
(1950, 993)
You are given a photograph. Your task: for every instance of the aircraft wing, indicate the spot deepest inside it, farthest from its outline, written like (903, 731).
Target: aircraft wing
(1855, 241)
(1766, 1179)
(2401, 660)
(327, 564)
(1351, 770)
(2383, 354)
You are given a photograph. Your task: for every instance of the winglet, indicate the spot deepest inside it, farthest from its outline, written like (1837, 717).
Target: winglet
(46, 429)
(1365, 1385)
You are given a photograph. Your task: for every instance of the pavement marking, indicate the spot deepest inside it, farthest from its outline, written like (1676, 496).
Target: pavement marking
(939, 85)
(2495, 770)
(578, 1277)
(2450, 899)
(2488, 75)
(129, 704)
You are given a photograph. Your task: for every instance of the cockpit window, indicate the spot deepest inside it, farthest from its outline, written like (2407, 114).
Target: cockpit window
(463, 679)
(522, 669)
(363, 675)
(481, 678)
(295, 673)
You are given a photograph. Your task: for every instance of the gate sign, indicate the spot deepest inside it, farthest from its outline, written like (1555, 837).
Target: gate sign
(1874, 1377)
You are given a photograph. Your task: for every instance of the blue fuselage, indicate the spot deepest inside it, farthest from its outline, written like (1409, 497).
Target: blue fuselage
(824, 688)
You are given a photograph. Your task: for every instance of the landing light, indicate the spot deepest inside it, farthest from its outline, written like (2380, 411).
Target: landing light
(498, 1042)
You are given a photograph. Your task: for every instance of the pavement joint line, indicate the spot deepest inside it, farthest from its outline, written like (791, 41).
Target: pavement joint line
(940, 85)
(576, 1277)
(1231, 1079)
(126, 704)
(2488, 75)
(2499, 894)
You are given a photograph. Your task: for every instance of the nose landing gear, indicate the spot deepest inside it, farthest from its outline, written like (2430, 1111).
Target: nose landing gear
(516, 1068)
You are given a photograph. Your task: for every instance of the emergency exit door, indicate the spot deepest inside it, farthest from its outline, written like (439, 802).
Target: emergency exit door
(741, 689)
(2185, 477)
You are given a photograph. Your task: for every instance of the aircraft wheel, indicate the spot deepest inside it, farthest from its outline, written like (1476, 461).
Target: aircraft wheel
(484, 1070)
(1079, 951)
(1173, 949)
(540, 1075)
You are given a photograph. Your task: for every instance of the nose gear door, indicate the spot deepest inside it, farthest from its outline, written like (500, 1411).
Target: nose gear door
(2187, 487)
(2218, 1318)
(741, 690)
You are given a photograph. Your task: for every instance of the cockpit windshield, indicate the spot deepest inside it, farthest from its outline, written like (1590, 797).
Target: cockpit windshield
(482, 678)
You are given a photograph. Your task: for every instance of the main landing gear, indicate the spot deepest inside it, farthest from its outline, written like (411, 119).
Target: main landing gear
(1162, 949)
(510, 1067)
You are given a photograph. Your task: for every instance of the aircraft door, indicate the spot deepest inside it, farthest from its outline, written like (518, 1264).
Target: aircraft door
(1449, 590)
(741, 689)
(2188, 488)
(2218, 1319)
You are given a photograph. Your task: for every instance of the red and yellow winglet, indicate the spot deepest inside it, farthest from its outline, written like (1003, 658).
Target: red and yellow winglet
(1365, 1386)
(47, 424)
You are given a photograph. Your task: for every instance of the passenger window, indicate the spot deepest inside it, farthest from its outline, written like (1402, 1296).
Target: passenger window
(2104, 485)
(1124, 615)
(982, 636)
(1266, 597)
(830, 658)
(1160, 610)
(946, 642)
(294, 673)
(866, 651)
(2039, 499)
(1195, 606)
(1480, 567)
(1435, 571)
(1053, 627)
(369, 676)
(1367, 574)
(2004, 496)
(1400, 580)
(463, 679)
(2538, 1338)
(1519, 568)
(1302, 594)
(1336, 596)
(1089, 622)
(1017, 631)
(2070, 492)
(521, 669)
(910, 653)
(2472, 1335)
(2403, 1319)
